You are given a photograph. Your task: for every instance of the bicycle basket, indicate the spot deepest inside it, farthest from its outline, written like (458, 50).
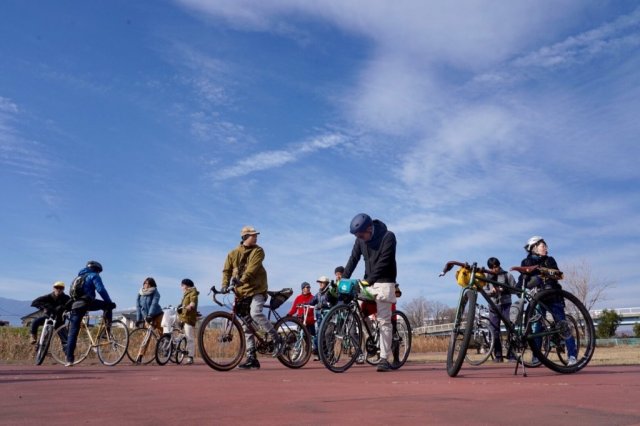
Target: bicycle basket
(277, 299)
(463, 277)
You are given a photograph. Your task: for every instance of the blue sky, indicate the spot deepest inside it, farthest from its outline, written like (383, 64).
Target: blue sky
(146, 134)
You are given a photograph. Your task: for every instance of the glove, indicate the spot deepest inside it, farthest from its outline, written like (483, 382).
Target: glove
(148, 319)
(179, 310)
(112, 306)
(139, 324)
(224, 290)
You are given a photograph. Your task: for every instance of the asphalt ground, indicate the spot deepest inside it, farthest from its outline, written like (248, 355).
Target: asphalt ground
(419, 393)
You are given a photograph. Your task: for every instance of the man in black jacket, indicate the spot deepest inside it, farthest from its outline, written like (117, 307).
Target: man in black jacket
(52, 304)
(377, 246)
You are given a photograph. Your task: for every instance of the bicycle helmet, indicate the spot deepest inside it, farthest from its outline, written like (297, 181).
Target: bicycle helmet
(360, 223)
(94, 266)
(531, 242)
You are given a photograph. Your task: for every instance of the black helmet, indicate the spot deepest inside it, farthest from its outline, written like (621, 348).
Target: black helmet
(94, 266)
(360, 223)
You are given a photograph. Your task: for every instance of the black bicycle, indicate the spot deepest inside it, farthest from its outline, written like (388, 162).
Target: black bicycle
(221, 338)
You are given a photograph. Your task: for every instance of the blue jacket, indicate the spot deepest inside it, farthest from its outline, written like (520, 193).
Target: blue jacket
(148, 305)
(93, 283)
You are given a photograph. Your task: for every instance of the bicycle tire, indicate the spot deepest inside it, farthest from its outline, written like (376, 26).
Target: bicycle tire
(461, 333)
(575, 332)
(181, 350)
(43, 343)
(59, 344)
(221, 341)
(481, 345)
(554, 305)
(163, 349)
(339, 341)
(142, 346)
(297, 338)
(400, 341)
(112, 344)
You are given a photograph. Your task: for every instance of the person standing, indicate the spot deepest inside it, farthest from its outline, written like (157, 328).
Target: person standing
(308, 319)
(53, 305)
(148, 305)
(502, 298)
(243, 266)
(188, 315)
(88, 283)
(377, 246)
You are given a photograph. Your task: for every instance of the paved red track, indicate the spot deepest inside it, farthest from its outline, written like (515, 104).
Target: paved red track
(417, 394)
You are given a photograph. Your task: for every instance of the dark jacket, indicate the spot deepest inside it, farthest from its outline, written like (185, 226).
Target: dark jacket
(534, 280)
(52, 305)
(379, 255)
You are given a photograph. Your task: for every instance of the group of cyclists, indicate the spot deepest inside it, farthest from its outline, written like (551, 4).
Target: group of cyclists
(243, 267)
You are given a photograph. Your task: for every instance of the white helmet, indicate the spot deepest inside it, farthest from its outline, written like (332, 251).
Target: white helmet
(532, 242)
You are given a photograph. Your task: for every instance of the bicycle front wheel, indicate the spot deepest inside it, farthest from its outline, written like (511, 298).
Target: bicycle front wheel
(340, 338)
(400, 341)
(297, 340)
(112, 343)
(180, 350)
(58, 346)
(480, 345)
(221, 341)
(568, 337)
(43, 343)
(462, 330)
(142, 346)
(163, 349)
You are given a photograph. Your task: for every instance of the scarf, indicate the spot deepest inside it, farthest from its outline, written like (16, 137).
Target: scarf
(147, 291)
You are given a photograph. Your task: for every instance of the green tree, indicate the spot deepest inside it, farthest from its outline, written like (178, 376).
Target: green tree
(608, 323)
(636, 329)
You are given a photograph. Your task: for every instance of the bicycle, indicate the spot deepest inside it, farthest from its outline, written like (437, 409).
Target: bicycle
(143, 342)
(44, 340)
(109, 342)
(341, 337)
(536, 332)
(172, 346)
(482, 340)
(221, 338)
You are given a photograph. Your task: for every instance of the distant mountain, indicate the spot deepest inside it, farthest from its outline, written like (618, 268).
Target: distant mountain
(12, 310)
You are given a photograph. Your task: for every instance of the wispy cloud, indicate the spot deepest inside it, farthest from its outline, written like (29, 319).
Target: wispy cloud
(277, 158)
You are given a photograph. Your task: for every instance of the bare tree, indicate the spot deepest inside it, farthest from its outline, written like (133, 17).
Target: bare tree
(421, 311)
(586, 287)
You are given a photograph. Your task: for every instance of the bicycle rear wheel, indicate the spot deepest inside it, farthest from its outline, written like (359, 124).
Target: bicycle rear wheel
(180, 350)
(221, 341)
(43, 343)
(59, 344)
(340, 338)
(142, 346)
(163, 349)
(480, 345)
(297, 350)
(569, 331)
(462, 330)
(112, 343)
(400, 340)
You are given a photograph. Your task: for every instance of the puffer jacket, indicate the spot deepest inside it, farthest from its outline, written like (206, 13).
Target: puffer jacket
(379, 256)
(245, 264)
(189, 316)
(148, 305)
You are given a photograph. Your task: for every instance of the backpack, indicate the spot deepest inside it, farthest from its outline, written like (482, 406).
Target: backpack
(77, 287)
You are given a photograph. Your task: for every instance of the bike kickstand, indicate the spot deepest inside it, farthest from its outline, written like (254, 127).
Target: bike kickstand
(518, 363)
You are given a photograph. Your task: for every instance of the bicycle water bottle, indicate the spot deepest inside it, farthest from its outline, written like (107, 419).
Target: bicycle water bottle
(516, 308)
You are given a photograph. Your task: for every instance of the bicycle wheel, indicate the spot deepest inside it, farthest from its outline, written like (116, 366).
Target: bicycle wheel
(43, 343)
(112, 343)
(371, 337)
(297, 350)
(163, 349)
(565, 338)
(142, 346)
(462, 330)
(480, 345)
(180, 351)
(400, 341)
(221, 341)
(59, 344)
(340, 338)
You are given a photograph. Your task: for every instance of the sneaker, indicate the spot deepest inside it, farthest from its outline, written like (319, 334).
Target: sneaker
(69, 364)
(360, 359)
(572, 361)
(278, 347)
(535, 360)
(189, 361)
(251, 363)
(383, 366)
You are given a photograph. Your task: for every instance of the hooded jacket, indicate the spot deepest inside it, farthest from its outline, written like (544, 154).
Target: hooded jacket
(379, 255)
(245, 264)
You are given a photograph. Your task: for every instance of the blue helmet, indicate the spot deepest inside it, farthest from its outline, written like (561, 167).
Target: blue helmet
(360, 223)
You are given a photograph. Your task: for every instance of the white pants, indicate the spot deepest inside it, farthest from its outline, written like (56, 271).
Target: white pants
(190, 333)
(385, 297)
